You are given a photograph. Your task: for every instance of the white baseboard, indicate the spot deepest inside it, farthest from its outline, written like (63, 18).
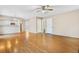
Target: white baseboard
(67, 35)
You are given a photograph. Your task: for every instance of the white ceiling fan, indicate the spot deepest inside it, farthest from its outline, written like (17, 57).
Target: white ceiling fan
(44, 8)
(47, 7)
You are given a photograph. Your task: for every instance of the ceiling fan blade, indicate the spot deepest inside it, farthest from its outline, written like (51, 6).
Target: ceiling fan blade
(43, 7)
(50, 9)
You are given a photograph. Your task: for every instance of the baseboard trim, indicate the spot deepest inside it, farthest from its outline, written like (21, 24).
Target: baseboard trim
(67, 36)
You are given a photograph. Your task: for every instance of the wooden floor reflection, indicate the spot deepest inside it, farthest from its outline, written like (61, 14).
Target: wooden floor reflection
(38, 43)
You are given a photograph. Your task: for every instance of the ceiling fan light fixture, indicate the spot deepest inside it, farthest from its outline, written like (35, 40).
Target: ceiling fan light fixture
(47, 7)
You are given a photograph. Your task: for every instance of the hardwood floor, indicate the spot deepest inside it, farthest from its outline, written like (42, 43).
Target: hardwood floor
(12, 42)
(38, 43)
(52, 43)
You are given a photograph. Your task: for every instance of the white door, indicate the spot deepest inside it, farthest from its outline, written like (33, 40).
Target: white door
(45, 25)
(39, 25)
(49, 25)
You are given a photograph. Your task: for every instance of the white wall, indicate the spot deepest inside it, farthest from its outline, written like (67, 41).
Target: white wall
(30, 25)
(67, 24)
(6, 28)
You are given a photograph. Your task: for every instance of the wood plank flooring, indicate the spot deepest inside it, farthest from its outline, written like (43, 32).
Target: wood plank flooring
(38, 43)
(52, 43)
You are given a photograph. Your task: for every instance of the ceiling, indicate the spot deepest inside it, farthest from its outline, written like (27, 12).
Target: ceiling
(28, 11)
